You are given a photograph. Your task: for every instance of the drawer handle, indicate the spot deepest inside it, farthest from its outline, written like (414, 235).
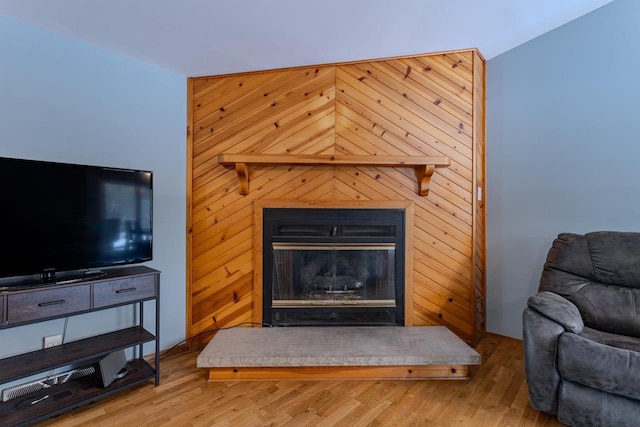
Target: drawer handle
(124, 291)
(48, 303)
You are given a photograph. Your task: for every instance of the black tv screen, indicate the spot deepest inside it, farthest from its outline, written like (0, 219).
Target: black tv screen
(63, 217)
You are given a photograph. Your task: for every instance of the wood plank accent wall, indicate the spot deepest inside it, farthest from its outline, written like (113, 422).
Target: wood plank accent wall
(423, 105)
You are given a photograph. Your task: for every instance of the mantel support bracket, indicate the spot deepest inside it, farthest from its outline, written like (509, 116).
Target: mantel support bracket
(424, 166)
(243, 178)
(423, 174)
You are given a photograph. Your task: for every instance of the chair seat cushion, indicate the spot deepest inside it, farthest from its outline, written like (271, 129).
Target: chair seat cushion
(601, 360)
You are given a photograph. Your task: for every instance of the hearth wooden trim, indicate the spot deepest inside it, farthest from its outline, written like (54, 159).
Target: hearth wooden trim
(413, 372)
(260, 205)
(424, 166)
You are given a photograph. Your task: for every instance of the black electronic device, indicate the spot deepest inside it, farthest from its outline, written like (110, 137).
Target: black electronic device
(111, 368)
(58, 217)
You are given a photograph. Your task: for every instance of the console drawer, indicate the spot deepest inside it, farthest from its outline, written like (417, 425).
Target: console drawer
(30, 306)
(121, 291)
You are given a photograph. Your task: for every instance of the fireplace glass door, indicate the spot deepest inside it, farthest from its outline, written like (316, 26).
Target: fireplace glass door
(325, 274)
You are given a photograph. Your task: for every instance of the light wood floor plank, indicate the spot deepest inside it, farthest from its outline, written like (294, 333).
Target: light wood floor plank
(495, 395)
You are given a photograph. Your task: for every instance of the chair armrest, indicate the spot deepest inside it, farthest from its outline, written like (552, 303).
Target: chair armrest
(558, 309)
(540, 337)
(546, 317)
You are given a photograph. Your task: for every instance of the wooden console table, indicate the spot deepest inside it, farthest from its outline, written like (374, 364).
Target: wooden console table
(119, 287)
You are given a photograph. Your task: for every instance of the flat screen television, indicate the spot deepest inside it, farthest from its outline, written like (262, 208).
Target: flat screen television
(58, 217)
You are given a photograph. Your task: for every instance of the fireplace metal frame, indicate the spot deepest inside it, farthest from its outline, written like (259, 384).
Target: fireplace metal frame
(365, 314)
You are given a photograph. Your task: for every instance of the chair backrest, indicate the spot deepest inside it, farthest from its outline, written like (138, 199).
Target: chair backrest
(600, 273)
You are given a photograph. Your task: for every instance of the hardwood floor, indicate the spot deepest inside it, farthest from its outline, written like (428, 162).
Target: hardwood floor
(496, 395)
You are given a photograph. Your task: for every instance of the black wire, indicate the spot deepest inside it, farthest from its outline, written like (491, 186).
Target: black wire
(211, 331)
(64, 333)
(25, 402)
(203, 333)
(64, 329)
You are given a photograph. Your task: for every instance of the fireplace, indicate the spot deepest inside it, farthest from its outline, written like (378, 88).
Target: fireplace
(325, 266)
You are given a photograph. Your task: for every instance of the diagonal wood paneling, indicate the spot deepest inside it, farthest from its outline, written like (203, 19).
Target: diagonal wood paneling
(420, 105)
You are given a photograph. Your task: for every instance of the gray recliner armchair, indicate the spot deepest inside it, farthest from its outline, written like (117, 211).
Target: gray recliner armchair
(581, 332)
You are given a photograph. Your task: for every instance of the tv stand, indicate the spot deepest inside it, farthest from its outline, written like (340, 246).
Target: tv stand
(116, 287)
(86, 275)
(48, 276)
(60, 278)
(51, 278)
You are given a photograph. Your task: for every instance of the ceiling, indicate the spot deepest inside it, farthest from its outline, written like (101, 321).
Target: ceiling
(208, 37)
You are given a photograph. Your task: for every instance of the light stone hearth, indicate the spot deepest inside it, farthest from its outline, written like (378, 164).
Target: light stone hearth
(286, 349)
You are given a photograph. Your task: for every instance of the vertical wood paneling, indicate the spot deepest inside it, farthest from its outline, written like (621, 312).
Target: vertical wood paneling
(191, 87)
(479, 230)
(420, 105)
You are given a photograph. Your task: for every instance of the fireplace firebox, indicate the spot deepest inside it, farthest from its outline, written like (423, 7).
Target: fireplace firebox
(333, 266)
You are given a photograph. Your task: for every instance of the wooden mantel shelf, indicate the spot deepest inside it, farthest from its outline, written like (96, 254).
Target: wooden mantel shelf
(424, 166)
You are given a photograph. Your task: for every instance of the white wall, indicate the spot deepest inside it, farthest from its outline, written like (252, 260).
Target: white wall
(562, 148)
(61, 100)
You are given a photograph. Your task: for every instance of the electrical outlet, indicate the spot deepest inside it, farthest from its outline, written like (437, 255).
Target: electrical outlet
(52, 341)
